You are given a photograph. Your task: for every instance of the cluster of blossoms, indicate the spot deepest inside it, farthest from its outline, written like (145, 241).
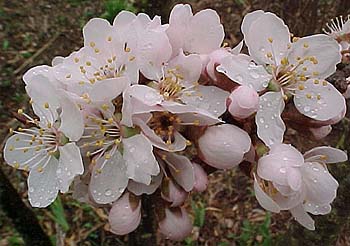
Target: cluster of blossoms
(146, 108)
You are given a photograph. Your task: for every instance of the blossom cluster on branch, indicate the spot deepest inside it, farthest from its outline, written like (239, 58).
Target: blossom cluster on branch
(146, 108)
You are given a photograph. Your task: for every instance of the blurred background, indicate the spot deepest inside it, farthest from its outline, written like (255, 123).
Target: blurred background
(33, 32)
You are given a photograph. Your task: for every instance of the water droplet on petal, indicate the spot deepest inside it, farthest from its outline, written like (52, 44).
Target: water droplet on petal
(254, 75)
(283, 170)
(307, 109)
(262, 120)
(108, 192)
(316, 169)
(37, 204)
(31, 189)
(239, 78)
(314, 180)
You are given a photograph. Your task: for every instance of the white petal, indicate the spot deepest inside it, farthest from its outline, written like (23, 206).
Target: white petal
(317, 209)
(70, 165)
(97, 31)
(249, 19)
(43, 186)
(244, 72)
(146, 94)
(326, 154)
(270, 126)
(205, 32)
(16, 156)
(139, 158)
(108, 89)
(72, 122)
(264, 200)
(321, 186)
(188, 66)
(324, 48)
(266, 28)
(291, 200)
(302, 217)
(211, 99)
(140, 188)
(123, 19)
(319, 100)
(108, 182)
(238, 48)
(184, 173)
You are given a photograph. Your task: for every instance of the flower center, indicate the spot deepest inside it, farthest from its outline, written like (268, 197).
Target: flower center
(164, 124)
(170, 86)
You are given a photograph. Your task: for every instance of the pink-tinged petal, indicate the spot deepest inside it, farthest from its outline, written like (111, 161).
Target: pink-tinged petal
(123, 19)
(96, 31)
(205, 32)
(238, 48)
(290, 200)
(302, 217)
(215, 59)
(245, 72)
(72, 122)
(178, 23)
(140, 188)
(224, 146)
(173, 193)
(181, 168)
(188, 66)
(316, 209)
(153, 51)
(272, 169)
(35, 88)
(319, 100)
(146, 94)
(321, 187)
(294, 178)
(243, 102)
(267, 37)
(200, 178)
(43, 70)
(211, 99)
(320, 46)
(108, 179)
(43, 185)
(288, 154)
(125, 215)
(140, 161)
(264, 200)
(270, 126)
(70, 164)
(176, 225)
(15, 155)
(177, 145)
(321, 132)
(249, 19)
(108, 89)
(326, 154)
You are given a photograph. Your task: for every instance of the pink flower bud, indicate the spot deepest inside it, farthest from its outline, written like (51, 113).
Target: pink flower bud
(200, 178)
(321, 132)
(214, 59)
(243, 102)
(125, 215)
(173, 193)
(223, 146)
(176, 225)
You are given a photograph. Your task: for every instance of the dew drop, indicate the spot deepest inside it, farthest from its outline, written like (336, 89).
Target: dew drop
(262, 120)
(314, 180)
(239, 78)
(31, 189)
(69, 173)
(108, 192)
(132, 149)
(266, 126)
(120, 190)
(37, 204)
(262, 49)
(316, 169)
(283, 170)
(307, 109)
(254, 75)
(59, 171)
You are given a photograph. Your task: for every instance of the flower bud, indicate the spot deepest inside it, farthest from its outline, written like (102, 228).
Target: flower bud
(200, 178)
(125, 215)
(176, 225)
(214, 59)
(173, 193)
(243, 102)
(223, 146)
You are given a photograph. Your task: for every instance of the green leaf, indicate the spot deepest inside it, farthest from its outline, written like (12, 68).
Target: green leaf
(199, 214)
(58, 214)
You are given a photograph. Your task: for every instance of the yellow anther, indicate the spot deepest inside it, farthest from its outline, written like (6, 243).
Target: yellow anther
(92, 44)
(163, 157)
(315, 73)
(308, 96)
(109, 39)
(93, 162)
(269, 54)
(46, 105)
(306, 45)
(324, 83)
(270, 40)
(20, 111)
(316, 81)
(305, 68)
(76, 60)
(26, 168)
(40, 169)
(49, 125)
(25, 150)
(132, 58)
(289, 46)
(20, 129)
(110, 60)
(284, 61)
(295, 39)
(97, 51)
(88, 63)
(11, 148)
(196, 122)
(11, 130)
(31, 101)
(81, 82)
(285, 97)
(92, 81)
(107, 156)
(318, 97)
(188, 143)
(88, 154)
(99, 171)
(37, 148)
(114, 58)
(127, 49)
(110, 120)
(117, 141)
(301, 87)
(68, 76)
(105, 107)
(17, 139)
(324, 157)
(16, 165)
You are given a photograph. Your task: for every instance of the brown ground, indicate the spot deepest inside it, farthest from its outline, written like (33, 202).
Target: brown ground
(32, 32)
